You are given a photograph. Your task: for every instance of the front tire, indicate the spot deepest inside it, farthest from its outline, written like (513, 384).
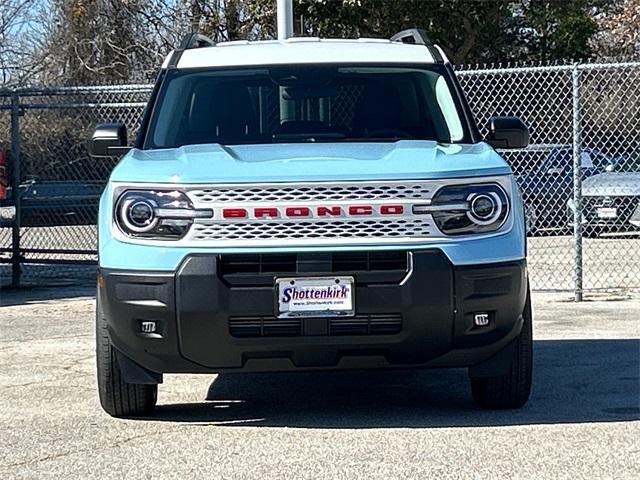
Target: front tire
(117, 397)
(512, 389)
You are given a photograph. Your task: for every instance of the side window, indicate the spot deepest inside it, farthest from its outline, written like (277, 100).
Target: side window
(173, 105)
(448, 108)
(586, 160)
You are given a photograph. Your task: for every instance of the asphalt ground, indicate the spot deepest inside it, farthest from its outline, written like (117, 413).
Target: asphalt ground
(582, 421)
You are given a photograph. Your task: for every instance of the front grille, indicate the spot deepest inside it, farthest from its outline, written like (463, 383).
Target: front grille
(272, 264)
(362, 324)
(313, 228)
(320, 230)
(604, 201)
(311, 192)
(625, 205)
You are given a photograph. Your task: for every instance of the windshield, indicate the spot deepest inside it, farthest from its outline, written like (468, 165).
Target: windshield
(305, 103)
(561, 160)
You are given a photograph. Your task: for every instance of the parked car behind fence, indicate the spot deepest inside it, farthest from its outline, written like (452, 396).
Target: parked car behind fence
(611, 200)
(549, 186)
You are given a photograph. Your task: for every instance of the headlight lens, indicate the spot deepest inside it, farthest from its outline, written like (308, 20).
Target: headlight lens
(484, 207)
(138, 214)
(166, 215)
(468, 209)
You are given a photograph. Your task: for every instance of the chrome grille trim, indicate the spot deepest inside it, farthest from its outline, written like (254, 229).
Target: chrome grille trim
(301, 230)
(312, 192)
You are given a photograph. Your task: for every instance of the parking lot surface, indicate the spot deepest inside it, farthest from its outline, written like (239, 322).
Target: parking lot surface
(583, 419)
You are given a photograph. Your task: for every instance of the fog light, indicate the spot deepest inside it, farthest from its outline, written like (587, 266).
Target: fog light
(148, 327)
(481, 319)
(8, 214)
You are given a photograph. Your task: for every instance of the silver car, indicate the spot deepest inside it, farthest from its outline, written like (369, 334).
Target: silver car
(611, 201)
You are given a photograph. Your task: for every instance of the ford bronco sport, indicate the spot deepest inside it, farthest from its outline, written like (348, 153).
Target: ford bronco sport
(310, 204)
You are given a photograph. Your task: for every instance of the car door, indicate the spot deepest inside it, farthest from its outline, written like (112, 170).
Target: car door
(556, 183)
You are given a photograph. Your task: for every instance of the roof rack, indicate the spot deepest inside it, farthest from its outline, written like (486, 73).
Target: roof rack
(193, 40)
(417, 36)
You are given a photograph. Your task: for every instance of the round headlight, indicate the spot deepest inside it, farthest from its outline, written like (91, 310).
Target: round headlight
(141, 214)
(484, 208)
(469, 209)
(156, 214)
(138, 215)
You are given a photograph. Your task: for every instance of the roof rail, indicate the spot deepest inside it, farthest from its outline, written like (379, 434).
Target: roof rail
(417, 36)
(193, 40)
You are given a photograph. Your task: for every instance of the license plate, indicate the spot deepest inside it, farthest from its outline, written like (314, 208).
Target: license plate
(607, 212)
(315, 297)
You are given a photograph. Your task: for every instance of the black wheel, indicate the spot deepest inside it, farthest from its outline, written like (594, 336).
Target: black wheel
(117, 397)
(512, 389)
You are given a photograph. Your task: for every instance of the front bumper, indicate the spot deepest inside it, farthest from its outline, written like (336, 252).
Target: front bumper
(422, 316)
(624, 213)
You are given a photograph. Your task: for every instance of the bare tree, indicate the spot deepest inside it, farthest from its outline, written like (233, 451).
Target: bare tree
(88, 41)
(98, 41)
(17, 40)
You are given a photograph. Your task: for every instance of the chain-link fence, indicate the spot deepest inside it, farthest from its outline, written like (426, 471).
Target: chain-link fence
(580, 178)
(58, 184)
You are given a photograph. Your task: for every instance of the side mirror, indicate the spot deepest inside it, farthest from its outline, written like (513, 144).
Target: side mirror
(109, 139)
(507, 132)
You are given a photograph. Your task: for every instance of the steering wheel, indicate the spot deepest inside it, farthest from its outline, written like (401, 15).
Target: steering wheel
(389, 133)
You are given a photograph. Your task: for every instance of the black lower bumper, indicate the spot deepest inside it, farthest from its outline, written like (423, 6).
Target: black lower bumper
(423, 317)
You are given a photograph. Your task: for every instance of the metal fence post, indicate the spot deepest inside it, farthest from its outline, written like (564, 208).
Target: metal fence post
(577, 183)
(16, 257)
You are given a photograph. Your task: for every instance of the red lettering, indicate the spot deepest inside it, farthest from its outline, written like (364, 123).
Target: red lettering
(234, 213)
(360, 210)
(265, 212)
(298, 212)
(324, 211)
(391, 210)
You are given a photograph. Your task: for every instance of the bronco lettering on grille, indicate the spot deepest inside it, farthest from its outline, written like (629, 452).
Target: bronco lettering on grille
(316, 211)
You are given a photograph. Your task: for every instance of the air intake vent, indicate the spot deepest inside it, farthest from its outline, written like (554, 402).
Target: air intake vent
(346, 262)
(264, 327)
(257, 264)
(372, 324)
(337, 262)
(379, 267)
(375, 324)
